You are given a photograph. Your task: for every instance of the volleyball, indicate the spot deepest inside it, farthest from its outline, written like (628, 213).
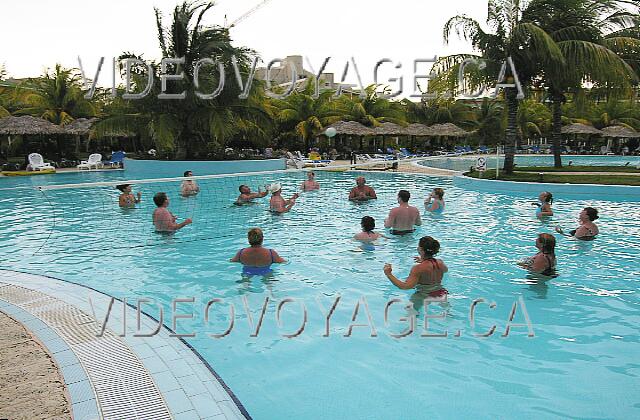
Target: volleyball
(330, 132)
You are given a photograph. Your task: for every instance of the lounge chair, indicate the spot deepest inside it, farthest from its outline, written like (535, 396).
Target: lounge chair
(95, 161)
(483, 149)
(117, 159)
(37, 163)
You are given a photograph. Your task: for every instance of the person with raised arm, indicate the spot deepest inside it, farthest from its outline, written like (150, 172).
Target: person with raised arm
(163, 219)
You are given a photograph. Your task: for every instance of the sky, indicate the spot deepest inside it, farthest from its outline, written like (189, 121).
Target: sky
(37, 34)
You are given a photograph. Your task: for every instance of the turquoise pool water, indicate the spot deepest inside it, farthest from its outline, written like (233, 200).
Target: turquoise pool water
(582, 362)
(463, 163)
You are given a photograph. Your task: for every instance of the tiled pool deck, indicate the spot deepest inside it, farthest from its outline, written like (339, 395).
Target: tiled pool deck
(114, 377)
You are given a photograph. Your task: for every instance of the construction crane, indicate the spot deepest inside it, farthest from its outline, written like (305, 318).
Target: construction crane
(245, 15)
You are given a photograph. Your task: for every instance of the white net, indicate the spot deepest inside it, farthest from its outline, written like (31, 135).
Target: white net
(81, 218)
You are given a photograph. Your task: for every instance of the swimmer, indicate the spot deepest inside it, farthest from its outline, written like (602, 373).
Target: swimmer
(362, 192)
(127, 199)
(544, 262)
(403, 218)
(246, 196)
(163, 219)
(587, 230)
(257, 260)
(545, 199)
(189, 187)
(367, 235)
(310, 184)
(427, 274)
(435, 202)
(279, 205)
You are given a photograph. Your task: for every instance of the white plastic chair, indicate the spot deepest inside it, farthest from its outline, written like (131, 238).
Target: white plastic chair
(95, 160)
(37, 163)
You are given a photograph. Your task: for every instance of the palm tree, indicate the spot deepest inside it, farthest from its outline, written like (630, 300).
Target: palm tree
(489, 119)
(372, 110)
(578, 28)
(57, 97)
(527, 44)
(302, 115)
(193, 125)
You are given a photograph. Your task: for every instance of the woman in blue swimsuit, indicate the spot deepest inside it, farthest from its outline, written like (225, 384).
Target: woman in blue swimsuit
(257, 260)
(435, 202)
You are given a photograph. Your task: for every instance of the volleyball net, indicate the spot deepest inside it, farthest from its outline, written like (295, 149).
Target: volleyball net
(88, 217)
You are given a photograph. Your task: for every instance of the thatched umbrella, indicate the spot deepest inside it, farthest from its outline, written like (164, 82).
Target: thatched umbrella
(390, 129)
(80, 127)
(620, 132)
(28, 125)
(579, 128)
(352, 128)
(418, 130)
(447, 130)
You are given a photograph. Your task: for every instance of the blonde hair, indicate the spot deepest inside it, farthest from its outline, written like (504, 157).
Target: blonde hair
(255, 236)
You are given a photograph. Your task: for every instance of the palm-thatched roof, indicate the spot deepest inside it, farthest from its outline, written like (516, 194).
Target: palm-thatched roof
(447, 130)
(80, 127)
(28, 125)
(579, 128)
(352, 128)
(390, 129)
(619, 131)
(419, 130)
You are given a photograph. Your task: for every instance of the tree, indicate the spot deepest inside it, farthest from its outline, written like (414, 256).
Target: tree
(193, 126)
(302, 115)
(372, 110)
(527, 44)
(578, 27)
(57, 97)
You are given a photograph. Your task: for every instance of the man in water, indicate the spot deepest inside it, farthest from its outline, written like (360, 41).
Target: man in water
(362, 192)
(189, 187)
(403, 218)
(278, 204)
(163, 220)
(310, 184)
(246, 196)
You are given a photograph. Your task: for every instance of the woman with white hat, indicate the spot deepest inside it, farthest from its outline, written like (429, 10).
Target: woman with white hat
(278, 204)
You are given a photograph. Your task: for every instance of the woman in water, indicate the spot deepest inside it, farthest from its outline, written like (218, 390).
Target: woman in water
(427, 274)
(367, 235)
(435, 202)
(127, 199)
(256, 260)
(545, 199)
(310, 184)
(587, 231)
(544, 262)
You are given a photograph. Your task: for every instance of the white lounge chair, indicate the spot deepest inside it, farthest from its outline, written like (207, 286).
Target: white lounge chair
(94, 161)
(37, 163)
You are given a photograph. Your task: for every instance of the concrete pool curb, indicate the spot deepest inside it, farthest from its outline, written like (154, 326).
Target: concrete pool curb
(602, 191)
(114, 377)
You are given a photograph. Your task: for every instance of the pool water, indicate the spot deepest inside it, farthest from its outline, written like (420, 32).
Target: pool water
(582, 362)
(463, 163)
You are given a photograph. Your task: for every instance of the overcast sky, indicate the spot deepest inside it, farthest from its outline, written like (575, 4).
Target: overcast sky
(39, 33)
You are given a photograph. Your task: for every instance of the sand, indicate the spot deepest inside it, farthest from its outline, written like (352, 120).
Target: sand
(30, 385)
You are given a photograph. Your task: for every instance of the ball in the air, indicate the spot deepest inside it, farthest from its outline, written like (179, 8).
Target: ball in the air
(330, 132)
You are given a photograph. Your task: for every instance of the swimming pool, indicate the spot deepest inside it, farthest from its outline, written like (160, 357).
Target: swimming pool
(463, 163)
(582, 361)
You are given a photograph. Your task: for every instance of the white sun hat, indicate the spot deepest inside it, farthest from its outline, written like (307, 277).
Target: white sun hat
(275, 187)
